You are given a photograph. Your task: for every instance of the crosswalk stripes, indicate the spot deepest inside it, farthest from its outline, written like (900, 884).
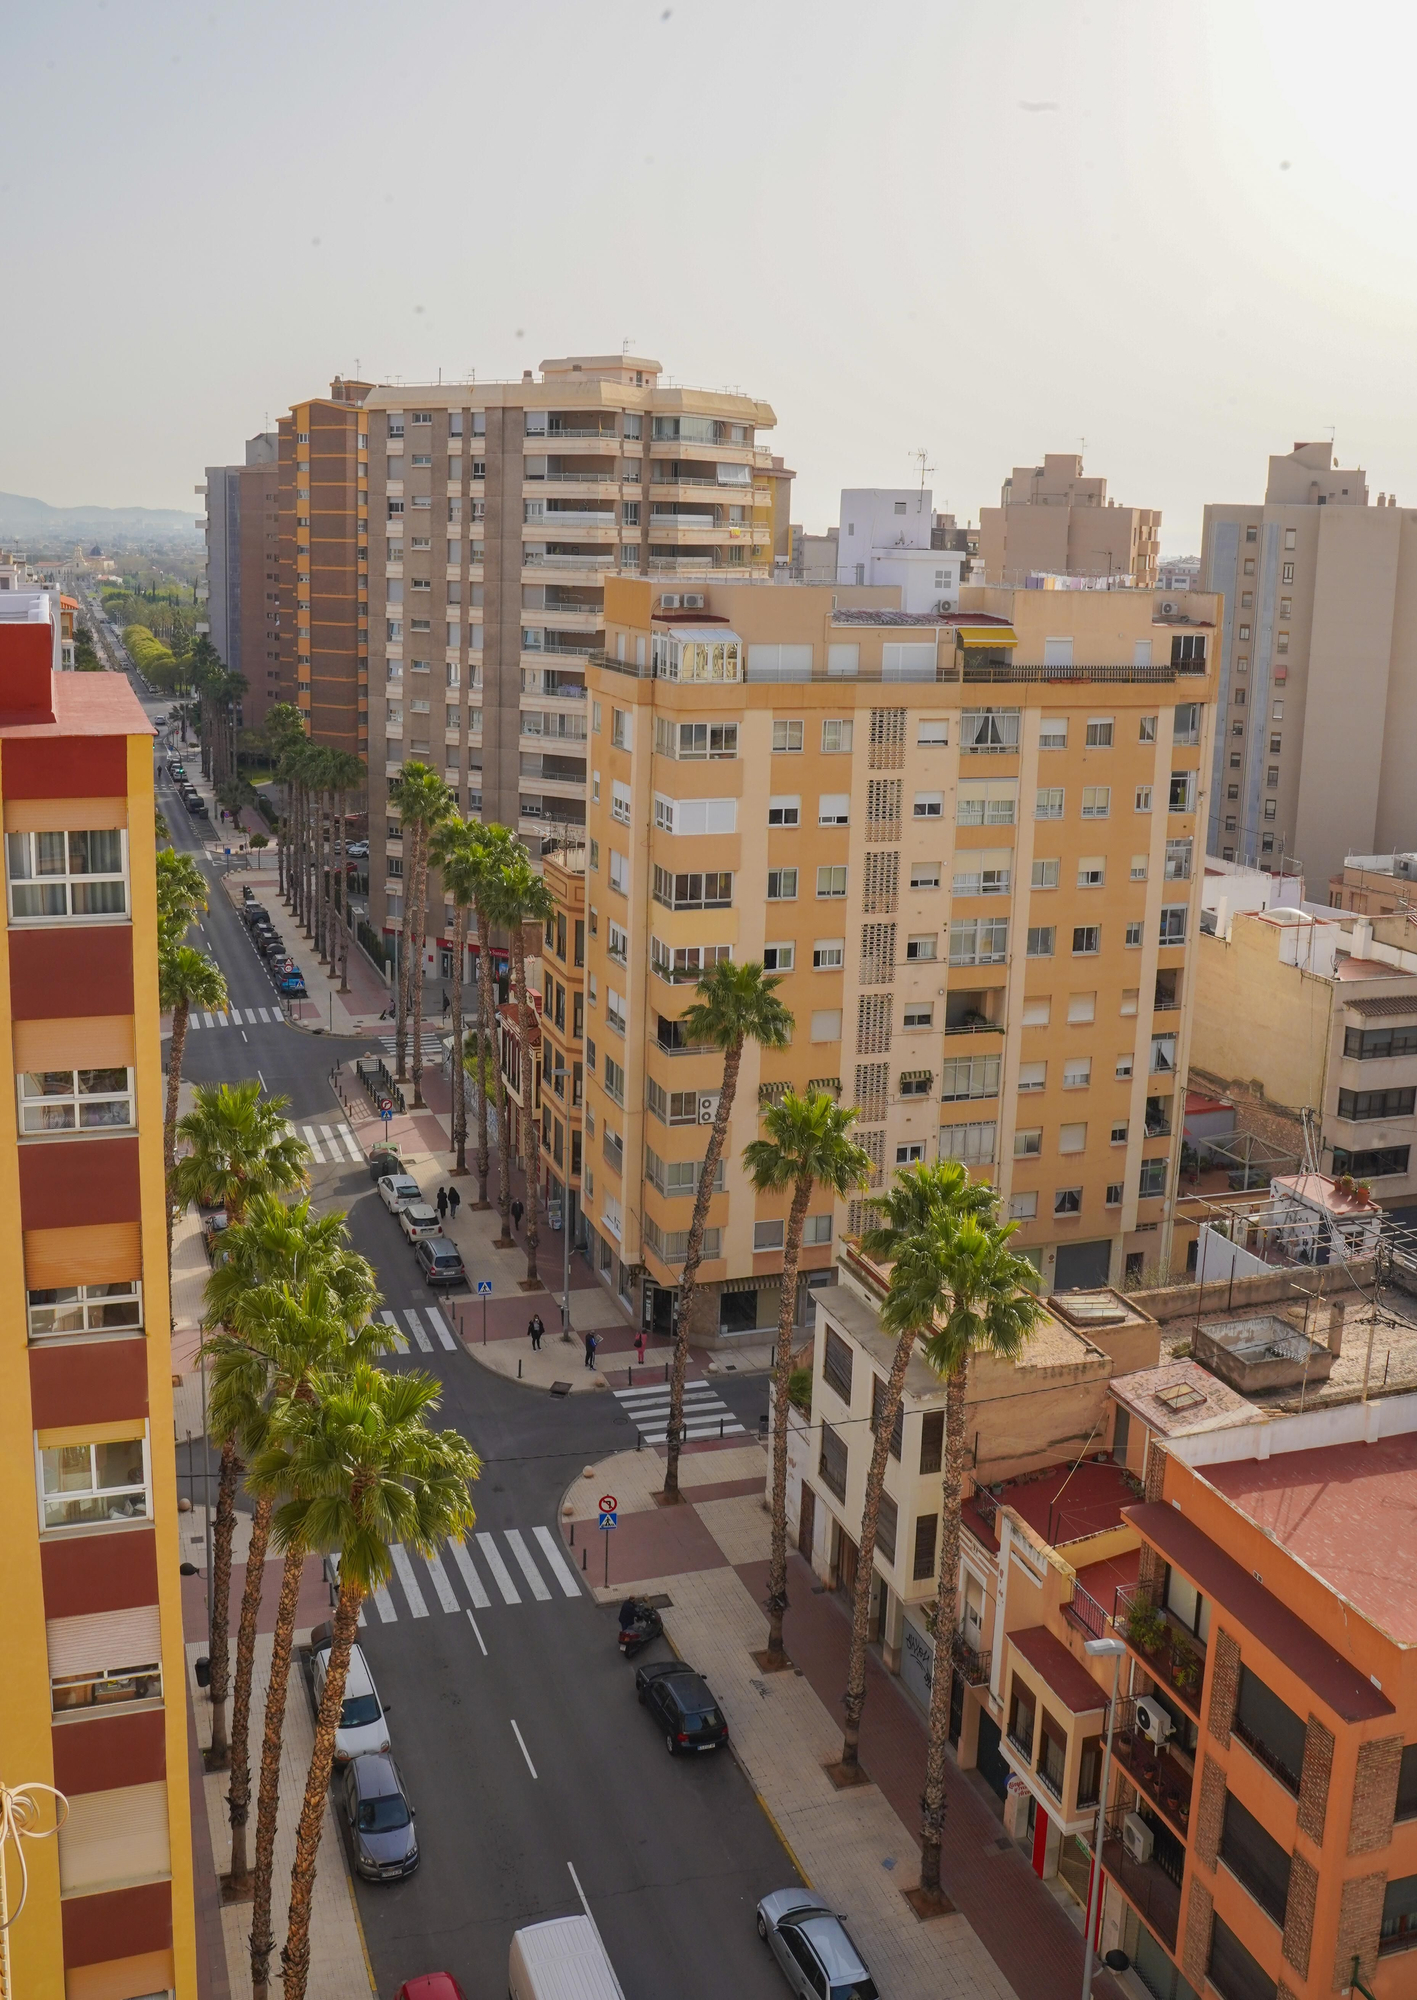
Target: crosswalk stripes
(441, 1328)
(432, 1045)
(409, 1581)
(706, 1415)
(501, 1575)
(476, 1589)
(414, 1317)
(234, 1017)
(400, 1344)
(447, 1596)
(415, 1327)
(555, 1557)
(325, 1144)
(543, 1572)
(528, 1568)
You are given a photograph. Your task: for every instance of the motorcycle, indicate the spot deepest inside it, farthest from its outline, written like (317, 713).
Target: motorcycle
(639, 1623)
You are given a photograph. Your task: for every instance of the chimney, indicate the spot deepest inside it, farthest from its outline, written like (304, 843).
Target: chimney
(1362, 938)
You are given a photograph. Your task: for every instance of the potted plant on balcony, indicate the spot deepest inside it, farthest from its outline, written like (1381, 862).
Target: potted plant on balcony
(1185, 1666)
(1146, 1628)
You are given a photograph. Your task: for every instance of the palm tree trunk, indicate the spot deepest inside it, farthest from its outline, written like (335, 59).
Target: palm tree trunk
(295, 866)
(866, 1555)
(268, 1795)
(718, 1134)
(486, 1040)
(459, 1069)
(219, 1583)
(318, 904)
(410, 863)
(529, 1107)
(180, 1014)
(295, 1958)
(420, 922)
(946, 1617)
(345, 925)
(238, 1795)
(786, 1320)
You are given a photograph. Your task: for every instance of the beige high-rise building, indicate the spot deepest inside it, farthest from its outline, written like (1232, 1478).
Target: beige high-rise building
(1053, 519)
(500, 509)
(1317, 690)
(966, 843)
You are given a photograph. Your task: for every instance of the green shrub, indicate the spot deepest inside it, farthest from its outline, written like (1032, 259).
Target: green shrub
(799, 1390)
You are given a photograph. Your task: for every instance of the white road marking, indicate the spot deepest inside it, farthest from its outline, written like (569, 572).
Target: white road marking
(409, 1581)
(351, 1145)
(207, 1021)
(251, 1016)
(264, 1015)
(221, 1020)
(386, 1605)
(313, 1143)
(527, 1566)
(475, 1588)
(501, 1575)
(477, 1635)
(441, 1328)
(525, 1752)
(556, 1557)
(416, 1329)
(400, 1344)
(327, 1134)
(447, 1596)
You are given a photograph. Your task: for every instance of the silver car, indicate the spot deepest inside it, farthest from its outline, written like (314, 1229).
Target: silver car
(380, 1819)
(813, 1948)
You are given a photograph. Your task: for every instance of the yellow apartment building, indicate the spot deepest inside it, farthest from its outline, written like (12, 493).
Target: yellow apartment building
(966, 844)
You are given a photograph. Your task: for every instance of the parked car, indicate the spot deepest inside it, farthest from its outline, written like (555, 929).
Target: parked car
(682, 1702)
(439, 1261)
(253, 913)
(813, 1947)
(396, 1191)
(358, 850)
(418, 1219)
(291, 982)
(214, 1227)
(384, 1160)
(380, 1819)
(363, 1727)
(431, 1986)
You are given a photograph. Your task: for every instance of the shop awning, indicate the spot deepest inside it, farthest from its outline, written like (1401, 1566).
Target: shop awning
(987, 635)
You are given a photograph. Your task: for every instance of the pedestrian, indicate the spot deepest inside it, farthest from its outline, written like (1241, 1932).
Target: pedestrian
(535, 1329)
(442, 1204)
(454, 1203)
(591, 1343)
(640, 1346)
(517, 1213)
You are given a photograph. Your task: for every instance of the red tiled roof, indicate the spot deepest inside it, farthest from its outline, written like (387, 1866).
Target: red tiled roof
(1364, 968)
(88, 705)
(1059, 1670)
(1339, 1685)
(1067, 1503)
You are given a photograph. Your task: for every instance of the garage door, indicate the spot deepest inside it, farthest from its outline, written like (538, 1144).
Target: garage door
(1080, 1266)
(990, 1760)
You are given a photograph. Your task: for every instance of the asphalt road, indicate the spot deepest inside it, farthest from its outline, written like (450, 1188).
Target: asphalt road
(515, 1724)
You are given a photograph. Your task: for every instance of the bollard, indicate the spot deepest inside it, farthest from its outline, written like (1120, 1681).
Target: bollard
(639, 1440)
(582, 1558)
(519, 1369)
(666, 1371)
(573, 1534)
(720, 1430)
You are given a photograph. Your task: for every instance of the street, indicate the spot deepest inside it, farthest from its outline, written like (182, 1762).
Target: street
(514, 1718)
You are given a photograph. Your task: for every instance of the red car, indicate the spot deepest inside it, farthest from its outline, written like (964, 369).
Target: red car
(431, 1986)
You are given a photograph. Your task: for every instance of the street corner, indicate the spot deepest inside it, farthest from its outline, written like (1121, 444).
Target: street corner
(554, 1368)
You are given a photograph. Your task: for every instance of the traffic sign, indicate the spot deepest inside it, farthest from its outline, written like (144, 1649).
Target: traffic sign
(484, 1288)
(387, 1114)
(607, 1520)
(608, 1503)
(386, 1105)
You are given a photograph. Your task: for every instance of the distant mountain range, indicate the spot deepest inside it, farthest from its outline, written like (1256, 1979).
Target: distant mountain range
(23, 518)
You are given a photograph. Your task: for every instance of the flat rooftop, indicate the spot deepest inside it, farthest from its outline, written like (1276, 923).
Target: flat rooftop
(1348, 1512)
(1181, 1396)
(1065, 1504)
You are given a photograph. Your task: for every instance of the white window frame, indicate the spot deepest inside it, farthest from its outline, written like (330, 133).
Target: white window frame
(832, 869)
(834, 809)
(928, 805)
(80, 1309)
(65, 880)
(785, 809)
(784, 727)
(829, 954)
(75, 1098)
(765, 1242)
(837, 735)
(92, 1494)
(779, 957)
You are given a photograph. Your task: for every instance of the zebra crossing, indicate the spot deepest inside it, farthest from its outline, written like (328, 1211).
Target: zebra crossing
(507, 1566)
(413, 1318)
(433, 1049)
(706, 1415)
(325, 1142)
(234, 1017)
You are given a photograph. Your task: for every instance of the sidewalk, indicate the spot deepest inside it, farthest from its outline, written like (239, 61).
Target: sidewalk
(357, 1012)
(858, 1848)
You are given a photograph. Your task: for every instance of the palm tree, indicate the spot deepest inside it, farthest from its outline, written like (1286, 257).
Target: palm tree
(365, 1472)
(284, 726)
(525, 899)
(453, 851)
(913, 1209)
(421, 800)
(497, 849)
(809, 1145)
(347, 774)
(736, 1004)
(187, 978)
(181, 898)
(975, 1295)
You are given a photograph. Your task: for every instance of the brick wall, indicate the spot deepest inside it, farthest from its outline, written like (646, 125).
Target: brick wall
(1299, 1913)
(1224, 1686)
(1155, 1470)
(1359, 1919)
(1375, 1794)
(1195, 1947)
(1313, 1780)
(1210, 1815)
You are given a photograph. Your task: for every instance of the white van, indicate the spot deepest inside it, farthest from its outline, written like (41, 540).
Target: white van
(561, 1960)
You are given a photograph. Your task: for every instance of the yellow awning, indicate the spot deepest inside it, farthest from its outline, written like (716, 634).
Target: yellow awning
(987, 635)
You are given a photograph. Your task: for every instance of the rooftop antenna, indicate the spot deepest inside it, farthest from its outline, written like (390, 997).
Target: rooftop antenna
(625, 345)
(923, 454)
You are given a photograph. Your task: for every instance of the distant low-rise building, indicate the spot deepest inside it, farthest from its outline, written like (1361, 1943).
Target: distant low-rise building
(888, 536)
(1051, 518)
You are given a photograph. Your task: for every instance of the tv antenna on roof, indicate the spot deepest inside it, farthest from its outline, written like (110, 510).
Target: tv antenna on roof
(923, 455)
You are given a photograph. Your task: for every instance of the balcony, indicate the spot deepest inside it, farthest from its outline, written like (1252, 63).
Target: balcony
(574, 559)
(1152, 1887)
(1175, 1659)
(1158, 1775)
(973, 1667)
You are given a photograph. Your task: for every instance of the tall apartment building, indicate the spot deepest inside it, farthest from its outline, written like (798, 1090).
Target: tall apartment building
(243, 571)
(1051, 518)
(94, 1670)
(500, 509)
(967, 845)
(1318, 686)
(324, 565)
(888, 536)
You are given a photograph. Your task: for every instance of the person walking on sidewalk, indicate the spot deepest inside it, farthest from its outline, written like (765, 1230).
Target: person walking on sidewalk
(640, 1346)
(454, 1203)
(535, 1329)
(591, 1343)
(517, 1213)
(442, 1204)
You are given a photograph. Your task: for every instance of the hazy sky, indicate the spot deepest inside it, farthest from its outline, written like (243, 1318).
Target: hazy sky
(1183, 233)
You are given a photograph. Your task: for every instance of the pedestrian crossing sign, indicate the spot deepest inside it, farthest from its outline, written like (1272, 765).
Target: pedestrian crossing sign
(484, 1288)
(607, 1518)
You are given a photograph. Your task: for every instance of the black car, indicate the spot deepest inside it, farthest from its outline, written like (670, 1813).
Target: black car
(254, 913)
(439, 1261)
(683, 1704)
(384, 1160)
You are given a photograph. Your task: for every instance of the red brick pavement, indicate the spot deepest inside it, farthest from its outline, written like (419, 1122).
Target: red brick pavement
(671, 1541)
(1025, 1932)
(313, 1605)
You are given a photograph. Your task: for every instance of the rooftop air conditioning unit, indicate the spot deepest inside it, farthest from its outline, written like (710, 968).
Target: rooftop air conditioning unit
(669, 601)
(1153, 1721)
(1137, 1837)
(692, 600)
(1168, 609)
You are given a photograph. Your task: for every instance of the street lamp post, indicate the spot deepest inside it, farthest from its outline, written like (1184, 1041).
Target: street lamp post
(1115, 1651)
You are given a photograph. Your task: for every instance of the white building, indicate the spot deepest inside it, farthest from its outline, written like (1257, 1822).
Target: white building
(884, 538)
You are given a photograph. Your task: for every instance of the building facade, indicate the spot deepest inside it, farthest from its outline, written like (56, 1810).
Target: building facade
(980, 897)
(888, 536)
(1053, 520)
(1319, 729)
(243, 571)
(95, 1671)
(563, 958)
(500, 509)
(324, 565)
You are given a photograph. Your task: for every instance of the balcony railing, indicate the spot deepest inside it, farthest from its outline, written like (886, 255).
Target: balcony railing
(1146, 1884)
(1162, 1780)
(974, 1027)
(1085, 1612)
(592, 559)
(1024, 671)
(974, 1667)
(1176, 1660)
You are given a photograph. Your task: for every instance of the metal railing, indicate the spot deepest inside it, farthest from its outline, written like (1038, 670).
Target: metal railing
(1024, 672)
(1085, 1611)
(974, 1666)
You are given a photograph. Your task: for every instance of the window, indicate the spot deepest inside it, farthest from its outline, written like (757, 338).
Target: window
(1142, 801)
(1371, 1163)
(784, 812)
(1092, 871)
(1119, 1133)
(1124, 1065)
(973, 1145)
(1140, 865)
(837, 1358)
(921, 948)
(81, 1484)
(1028, 1145)
(786, 737)
(816, 1230)
(1058, 652)
(767, 1236)
(782, 885)
(989, 729)
(1153, 1178)
(85, 1308)
(910, 1153)
(101, 1657)
(695, 741)
(1233, 1972)
(621, 729)
(986, 802)
(620, 873)
(620, 805)
(1048, 802)
(1099, 733)
(828, 954)
(613, 1077)
(1163, 1055)
(1021, 1712)
(1068, 1201)
(932, 733)
(1146, 729)
(1186, 728)
(1399, 1920)
(1178, 860)
(1173, 923)
(1133, 935)
(711, 891)
(1277, 712)
(1023, 1207)
(836, 738)
(929, 805)
(82, 1100)
(924, 874)
(826, 1024)
(969, 1076)
(1041, 938)
(1032, 1076)
(615, 1010)
(979, 941)
(1053, 733)
(916, 1082)
(779, 957)
(834, 809)
(1087, 940)
(984, 872)
(922, 1562)
(1286, 575)
(68, 874)
(918, 1014)
(1114, 1194)
(1036, 1010)
(1082, 1007)
(831, 882)
(831, 1465)
(1366, 1043)
(1045, 875)
(1077, 1073)
(1096, 801)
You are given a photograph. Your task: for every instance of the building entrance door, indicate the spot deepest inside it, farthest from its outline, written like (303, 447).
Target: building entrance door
(807, 1522)
(846, 1566)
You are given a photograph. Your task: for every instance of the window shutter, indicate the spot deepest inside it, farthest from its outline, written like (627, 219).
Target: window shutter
(114, 1837)
(104, 1641)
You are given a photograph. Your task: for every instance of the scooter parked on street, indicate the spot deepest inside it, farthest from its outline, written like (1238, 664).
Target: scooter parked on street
(639, 1623)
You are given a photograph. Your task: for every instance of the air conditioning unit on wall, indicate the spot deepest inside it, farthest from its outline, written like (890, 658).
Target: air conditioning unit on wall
(1137, 1837)
(1153, 1721)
